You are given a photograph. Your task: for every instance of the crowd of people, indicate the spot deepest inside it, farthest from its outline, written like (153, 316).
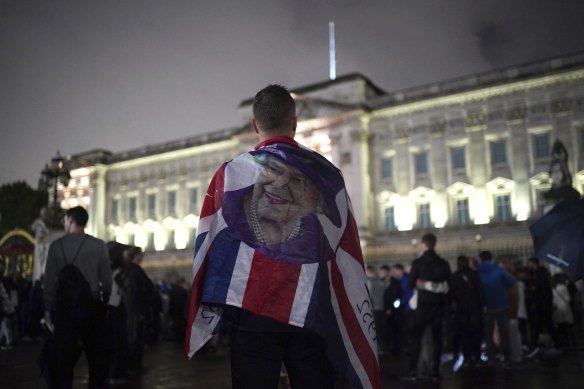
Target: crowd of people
(138, 313)
(489, 311)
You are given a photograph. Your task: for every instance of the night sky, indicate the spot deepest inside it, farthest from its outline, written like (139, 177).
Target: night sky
(117, 75)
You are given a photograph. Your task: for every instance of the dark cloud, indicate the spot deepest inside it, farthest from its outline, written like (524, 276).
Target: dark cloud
(494, 42)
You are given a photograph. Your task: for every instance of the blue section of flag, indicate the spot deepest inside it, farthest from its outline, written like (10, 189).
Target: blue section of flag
(321, 318)
(199, 241)
(221, 265)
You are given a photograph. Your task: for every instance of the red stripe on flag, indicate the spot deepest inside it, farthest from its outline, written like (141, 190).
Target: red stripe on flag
(214, 196)
(354, 331)
(271, 287)
(195, 299)
(350, 241)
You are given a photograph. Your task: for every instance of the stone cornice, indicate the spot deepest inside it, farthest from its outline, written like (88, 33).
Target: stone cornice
(480, 94)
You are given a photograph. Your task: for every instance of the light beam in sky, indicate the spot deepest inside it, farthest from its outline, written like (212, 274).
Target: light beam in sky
(332, 60)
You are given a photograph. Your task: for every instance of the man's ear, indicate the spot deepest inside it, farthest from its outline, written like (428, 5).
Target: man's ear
(255, 126)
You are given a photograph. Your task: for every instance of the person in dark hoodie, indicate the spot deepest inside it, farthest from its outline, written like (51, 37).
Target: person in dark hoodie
(429, 268)
(539, 300)
(495, 281)
(468, 302)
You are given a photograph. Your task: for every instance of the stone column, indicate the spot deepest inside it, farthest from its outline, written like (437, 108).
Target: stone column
(97, 213)
(478, 170)
(519, 162)
(439, 175)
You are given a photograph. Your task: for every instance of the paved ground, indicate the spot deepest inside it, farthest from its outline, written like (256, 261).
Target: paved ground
(168, 369)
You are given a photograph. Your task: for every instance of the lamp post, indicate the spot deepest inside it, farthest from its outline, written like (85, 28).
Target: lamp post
(54, 173)
(478, 239)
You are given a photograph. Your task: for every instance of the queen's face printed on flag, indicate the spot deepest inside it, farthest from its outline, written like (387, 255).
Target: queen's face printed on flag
(281, 197)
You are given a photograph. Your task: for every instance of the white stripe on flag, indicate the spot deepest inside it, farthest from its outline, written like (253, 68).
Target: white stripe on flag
(241, 173)
(213, 230)
(203, 326)
(333, 233)
(353, 358)
(303, 294)
(353, 277)
(240, 275)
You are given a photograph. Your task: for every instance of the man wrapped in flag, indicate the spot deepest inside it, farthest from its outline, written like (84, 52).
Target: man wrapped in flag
(278, 259)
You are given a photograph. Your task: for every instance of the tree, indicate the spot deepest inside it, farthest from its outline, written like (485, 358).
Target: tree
(20, 206)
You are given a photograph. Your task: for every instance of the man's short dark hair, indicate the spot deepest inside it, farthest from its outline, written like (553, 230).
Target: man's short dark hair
(430, 241)
(79, 215)
(398, 266)
(384, 267)
(274, 109)
(485, 256)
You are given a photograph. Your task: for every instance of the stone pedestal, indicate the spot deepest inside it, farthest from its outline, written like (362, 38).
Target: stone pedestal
(46, 228)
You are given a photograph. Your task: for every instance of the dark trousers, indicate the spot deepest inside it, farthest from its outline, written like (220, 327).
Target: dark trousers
(74, 335)
(118, 346)
(136, 339)
(469, 333)
(396, 331)
(257, 357)
(500, 317)
(427, 315)
(541, 320)
(380, 319)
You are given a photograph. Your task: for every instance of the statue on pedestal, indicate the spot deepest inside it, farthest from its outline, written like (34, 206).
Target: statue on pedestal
(46, 228)
(562, 188)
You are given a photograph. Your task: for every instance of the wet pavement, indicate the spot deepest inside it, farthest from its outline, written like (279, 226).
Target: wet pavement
(168, 369)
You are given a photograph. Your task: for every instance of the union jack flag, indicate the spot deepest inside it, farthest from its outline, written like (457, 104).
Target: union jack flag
(305, 268)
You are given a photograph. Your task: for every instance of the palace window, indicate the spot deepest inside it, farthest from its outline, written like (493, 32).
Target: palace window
(170, 243)
(503, 207)
(150, 242)
(172, 203)
(386, 168)
(132, 201)
(194, 199)
(424, 215)
(462, 212)
(115, 205)
(458, 158)
(389, 215)
(498, 152)
(541, 146)
(152, 206)
(421, 163)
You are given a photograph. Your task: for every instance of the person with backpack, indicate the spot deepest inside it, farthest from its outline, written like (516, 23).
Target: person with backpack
(77, 283)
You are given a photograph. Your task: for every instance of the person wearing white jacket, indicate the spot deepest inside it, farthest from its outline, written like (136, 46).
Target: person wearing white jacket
(562, 313)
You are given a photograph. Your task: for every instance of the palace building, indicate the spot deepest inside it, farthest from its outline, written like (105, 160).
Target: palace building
(467, 159)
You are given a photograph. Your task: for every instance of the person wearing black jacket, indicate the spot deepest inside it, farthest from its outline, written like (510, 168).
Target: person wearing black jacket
(138, 295)
(394, 310)
(468, 302)
(429, 275)
(539, 300)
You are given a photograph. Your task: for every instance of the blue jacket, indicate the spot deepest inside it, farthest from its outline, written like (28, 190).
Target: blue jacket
(495, 281)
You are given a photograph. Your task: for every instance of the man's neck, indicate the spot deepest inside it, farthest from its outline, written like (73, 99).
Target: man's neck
(278, 138)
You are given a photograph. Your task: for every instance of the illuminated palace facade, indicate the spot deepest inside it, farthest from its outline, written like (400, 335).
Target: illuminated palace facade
(467, 159)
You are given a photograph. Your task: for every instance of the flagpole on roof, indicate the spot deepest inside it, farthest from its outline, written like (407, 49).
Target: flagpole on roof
(332, 59)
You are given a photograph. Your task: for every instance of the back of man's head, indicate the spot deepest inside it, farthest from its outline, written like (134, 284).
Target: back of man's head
(274, 110)
(486, 256)
(430, 241)
(79, 215)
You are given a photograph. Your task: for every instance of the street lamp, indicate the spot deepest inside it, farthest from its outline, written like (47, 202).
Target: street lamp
(54, 173)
